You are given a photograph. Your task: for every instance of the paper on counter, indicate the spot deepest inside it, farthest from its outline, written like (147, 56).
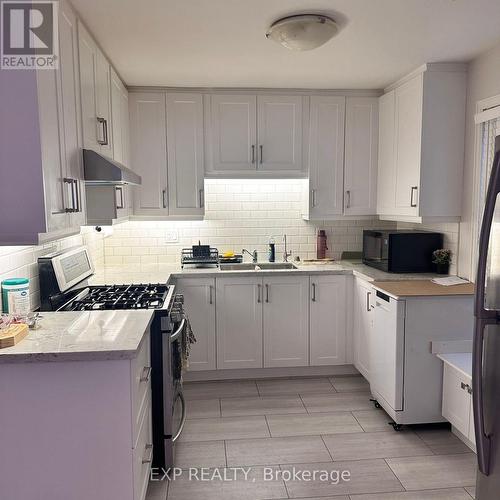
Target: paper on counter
(449, 280)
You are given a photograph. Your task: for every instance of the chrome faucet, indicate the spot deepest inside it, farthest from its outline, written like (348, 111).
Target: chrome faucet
(252, 254)
(285, 253)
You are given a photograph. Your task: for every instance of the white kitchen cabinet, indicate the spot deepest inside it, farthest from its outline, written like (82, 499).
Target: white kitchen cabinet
(95, 82)
(456, 399)
(239, 322)
(185, 154)
(149, 152)
(362, 325)
(286, 320)
(328, 320)
(424, 184)
(233, 130)
(361, 150)
(279, 133)
(386, 185)
(199, 304)
(326, 156)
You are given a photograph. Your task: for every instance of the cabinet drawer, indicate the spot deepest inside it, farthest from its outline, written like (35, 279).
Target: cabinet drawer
(140, 384)
(456, 399)
(143, 454)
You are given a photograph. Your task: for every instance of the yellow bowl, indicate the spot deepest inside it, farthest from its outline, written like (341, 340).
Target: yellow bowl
(228, 254)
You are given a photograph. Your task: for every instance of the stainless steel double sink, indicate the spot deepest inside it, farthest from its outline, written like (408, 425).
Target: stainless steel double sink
(261, 266)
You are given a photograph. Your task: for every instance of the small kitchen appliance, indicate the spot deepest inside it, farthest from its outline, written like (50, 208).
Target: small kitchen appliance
(64, 287)
(400, 251)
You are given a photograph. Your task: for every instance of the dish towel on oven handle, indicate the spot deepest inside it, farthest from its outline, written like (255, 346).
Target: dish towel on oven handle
(188, 339)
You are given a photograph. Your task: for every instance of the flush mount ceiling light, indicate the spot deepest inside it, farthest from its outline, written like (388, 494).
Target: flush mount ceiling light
(303, 32)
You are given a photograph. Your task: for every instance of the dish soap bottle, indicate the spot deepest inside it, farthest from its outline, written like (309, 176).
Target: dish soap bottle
(321, 247)
(272, 249)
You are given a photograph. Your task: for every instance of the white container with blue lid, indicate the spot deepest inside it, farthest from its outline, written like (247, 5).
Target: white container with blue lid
(16, 296)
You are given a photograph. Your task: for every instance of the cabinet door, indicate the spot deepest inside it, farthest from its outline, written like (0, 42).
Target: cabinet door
(472, 433)
(328, 320)
(117, 91)
(185, 154)
(362, 326)
(279, 120)
(456, 399)
(361, 150)
(149, 152)
(239, 322)
(408, 137)
(199, 304)
(233, 132)
(326, 156)
(386, 185)
(286, 321)
(103, 102)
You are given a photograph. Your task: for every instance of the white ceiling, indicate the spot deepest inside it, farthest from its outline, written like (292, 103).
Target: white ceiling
(221, 43)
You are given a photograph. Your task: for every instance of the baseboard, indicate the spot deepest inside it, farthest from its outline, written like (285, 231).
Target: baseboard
(253, 373)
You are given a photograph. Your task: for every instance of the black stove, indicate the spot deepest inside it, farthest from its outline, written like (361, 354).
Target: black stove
(101, 298)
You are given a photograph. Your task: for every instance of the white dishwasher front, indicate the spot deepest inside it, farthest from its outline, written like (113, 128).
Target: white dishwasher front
(387, 351)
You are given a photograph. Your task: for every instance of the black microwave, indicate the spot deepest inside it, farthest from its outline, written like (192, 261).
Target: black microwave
(400, 251)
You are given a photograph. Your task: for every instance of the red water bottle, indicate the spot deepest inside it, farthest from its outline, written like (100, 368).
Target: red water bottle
(321, 247)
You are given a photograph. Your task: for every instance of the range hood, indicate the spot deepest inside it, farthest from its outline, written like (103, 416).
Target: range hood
(99, 169)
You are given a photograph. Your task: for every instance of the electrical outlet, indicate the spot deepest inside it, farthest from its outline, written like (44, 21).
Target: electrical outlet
(172, 236)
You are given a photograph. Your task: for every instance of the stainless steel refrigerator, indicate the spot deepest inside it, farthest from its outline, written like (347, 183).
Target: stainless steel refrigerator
(486, 348)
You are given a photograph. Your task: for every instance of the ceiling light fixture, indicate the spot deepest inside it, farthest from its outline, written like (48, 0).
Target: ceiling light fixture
(303, 32)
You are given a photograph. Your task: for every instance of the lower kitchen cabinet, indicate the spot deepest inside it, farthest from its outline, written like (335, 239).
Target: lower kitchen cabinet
(199, 304)
(328, 314)
(286, 321)
(362, 325)
(239, 322)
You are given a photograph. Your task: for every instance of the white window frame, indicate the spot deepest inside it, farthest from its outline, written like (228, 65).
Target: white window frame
(486, 109)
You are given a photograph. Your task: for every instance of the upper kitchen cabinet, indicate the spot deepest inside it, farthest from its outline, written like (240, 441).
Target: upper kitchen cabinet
(361, 146)
(148, 132)
(42, 151)
(185, 154)
(422, 126)
(249, 135)
(95, 81)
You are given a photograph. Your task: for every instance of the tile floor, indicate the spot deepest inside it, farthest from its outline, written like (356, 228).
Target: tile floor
(275, 427)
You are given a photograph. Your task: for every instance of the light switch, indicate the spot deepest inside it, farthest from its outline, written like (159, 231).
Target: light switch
(172, 236)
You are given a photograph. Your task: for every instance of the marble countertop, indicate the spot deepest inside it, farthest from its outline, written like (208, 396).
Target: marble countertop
(78, 336)
(461, 361)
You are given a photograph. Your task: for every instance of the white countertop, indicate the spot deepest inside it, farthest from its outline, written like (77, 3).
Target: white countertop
(461, 361)
(88, 335)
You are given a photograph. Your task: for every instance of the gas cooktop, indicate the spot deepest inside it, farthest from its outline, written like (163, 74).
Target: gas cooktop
(100, 298)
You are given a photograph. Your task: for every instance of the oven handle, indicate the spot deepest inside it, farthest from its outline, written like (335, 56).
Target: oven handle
(183, 418)
(175, 336)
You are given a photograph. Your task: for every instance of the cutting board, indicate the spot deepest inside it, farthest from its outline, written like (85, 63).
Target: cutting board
(10, 336)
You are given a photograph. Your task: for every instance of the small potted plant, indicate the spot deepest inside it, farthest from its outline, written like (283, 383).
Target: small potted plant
(442, 259)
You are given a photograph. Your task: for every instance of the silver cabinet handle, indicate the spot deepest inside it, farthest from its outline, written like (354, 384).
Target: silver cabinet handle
(119, 197)
(70, 195)
(258, 294)
(183, 418)
(148, 460)
(414, 189)
(466, 387)
(210, 296)
(261, 154)
(146, 374)
(253, 153)
(267, 292)
(314, 292)
(201, 195)
(313, 197)
(164, 198)
(104, 126)
(368, 307)
(348, 199)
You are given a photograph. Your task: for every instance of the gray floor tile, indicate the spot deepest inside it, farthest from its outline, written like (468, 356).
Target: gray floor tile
(312, 425)
(214, 429)
(220, 389)
(337, 402)
(442, 441)
(350, 384)
(286, 450)
(437, 471)
(273, 387)
(445, 494)
(267, 405)
(200, 454)
(157, 490)
(366, 476)
(203, 408)
(375, 445)
(471, 490)
(255, 488)
(373, 420)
